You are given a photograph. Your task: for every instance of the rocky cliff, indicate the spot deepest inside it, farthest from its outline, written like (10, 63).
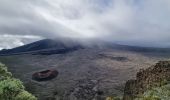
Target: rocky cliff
(146, 79)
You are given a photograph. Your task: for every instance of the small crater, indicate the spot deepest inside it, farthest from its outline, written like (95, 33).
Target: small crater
(45, 75)
(117, 58)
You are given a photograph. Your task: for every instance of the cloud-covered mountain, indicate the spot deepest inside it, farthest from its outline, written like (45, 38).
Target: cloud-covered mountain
(54, 46)
(134, 22)
(46, 46)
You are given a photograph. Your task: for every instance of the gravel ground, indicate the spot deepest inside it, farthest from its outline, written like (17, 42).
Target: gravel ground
(86, 74)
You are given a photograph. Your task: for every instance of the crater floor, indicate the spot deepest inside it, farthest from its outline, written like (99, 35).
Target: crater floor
(84, 74)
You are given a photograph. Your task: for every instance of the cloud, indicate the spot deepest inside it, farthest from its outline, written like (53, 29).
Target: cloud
(134, 22)
(7, 41)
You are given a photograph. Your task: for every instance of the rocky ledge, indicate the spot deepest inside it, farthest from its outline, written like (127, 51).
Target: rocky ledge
(147, 79)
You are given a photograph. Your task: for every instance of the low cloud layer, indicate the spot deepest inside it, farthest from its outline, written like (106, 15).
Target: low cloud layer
(133, 22)
(9, 41)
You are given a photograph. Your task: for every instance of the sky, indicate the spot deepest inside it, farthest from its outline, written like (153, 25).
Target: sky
(131, 22)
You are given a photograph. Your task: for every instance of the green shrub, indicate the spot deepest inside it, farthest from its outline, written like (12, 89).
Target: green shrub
(24, 95)
(11, 88)
(4, 72)
(159, 93)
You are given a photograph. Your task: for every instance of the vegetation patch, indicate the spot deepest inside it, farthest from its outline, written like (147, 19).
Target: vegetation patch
(159, 93)
(11, 88)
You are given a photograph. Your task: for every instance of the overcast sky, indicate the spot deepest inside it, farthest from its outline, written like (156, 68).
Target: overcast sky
(133, 22)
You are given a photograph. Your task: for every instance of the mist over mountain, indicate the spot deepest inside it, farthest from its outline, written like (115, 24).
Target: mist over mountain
(58, 46)
(128, 22)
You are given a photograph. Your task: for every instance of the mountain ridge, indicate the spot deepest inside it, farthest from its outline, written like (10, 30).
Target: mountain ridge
(51, 46)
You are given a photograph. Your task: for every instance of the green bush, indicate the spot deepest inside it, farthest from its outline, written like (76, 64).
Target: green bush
(4, 72)
(159, 93)
(11, 88)
(24, 95)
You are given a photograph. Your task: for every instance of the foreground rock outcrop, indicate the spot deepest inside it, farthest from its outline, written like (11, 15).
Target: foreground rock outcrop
(146, 79)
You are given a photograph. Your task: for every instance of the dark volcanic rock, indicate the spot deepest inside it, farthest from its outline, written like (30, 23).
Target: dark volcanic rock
(117, 58)
(85, 90)
(146, 79)
(57, 51)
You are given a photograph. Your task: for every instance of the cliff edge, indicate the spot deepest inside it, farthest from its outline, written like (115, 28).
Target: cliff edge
(154, 76)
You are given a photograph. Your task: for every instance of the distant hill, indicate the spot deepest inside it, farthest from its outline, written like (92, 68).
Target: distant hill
(46, 46)
(50, 46)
